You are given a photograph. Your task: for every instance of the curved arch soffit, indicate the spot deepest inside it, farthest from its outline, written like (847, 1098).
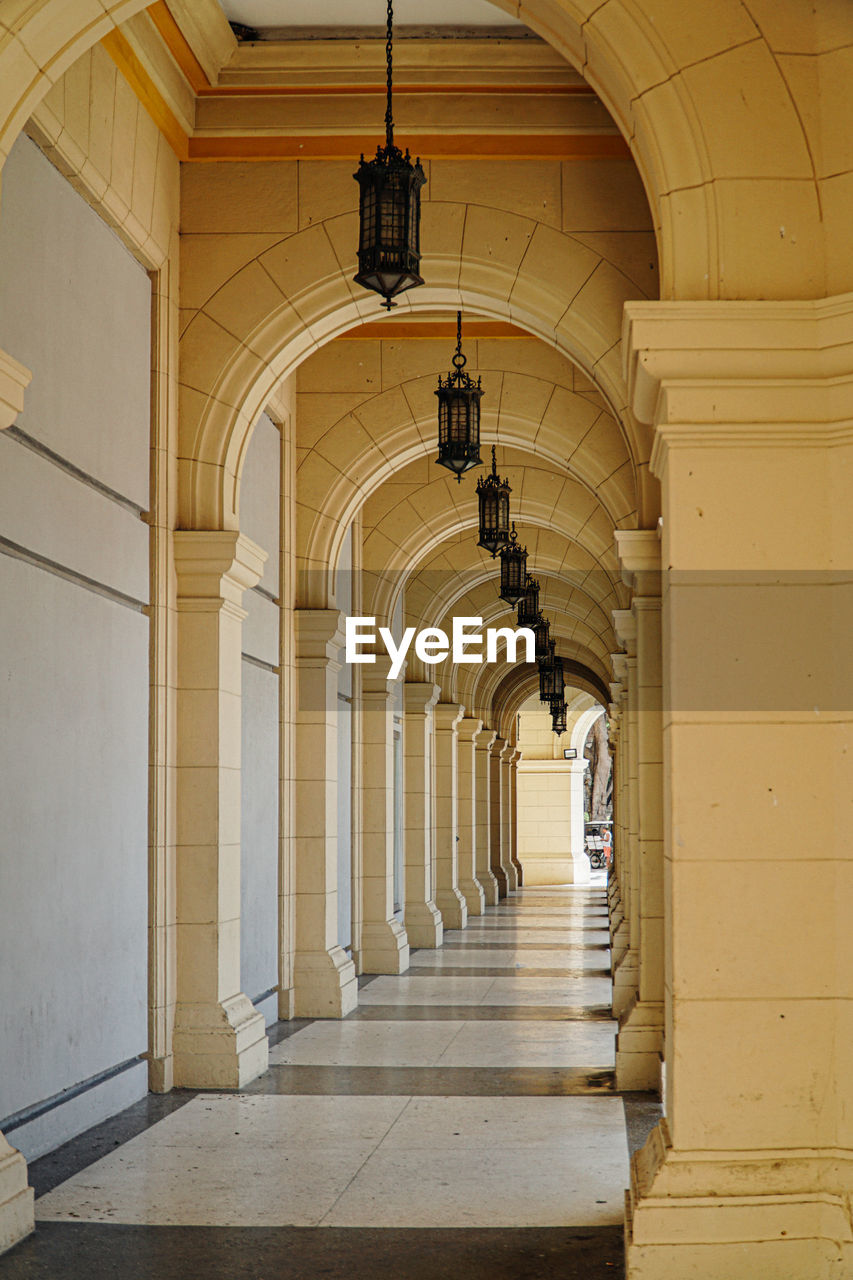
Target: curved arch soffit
(581, 729)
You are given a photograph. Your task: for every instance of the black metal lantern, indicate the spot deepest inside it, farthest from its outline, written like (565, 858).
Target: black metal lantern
(513, 569)
(389, 212)
(528, 605)
(459, 415)
(542, 633)
(493, 495)
(551, 681)
(544, 665)
(558, 718)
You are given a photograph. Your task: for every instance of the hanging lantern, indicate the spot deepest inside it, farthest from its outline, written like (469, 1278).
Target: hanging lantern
(544, 665)
(528, 605)
(551, 682)
(459, 415)
(513, 569)
(558, 718)
(389, 212)
(542, 633)
(493, 494)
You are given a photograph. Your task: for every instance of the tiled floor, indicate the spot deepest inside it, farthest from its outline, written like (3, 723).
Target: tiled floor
(465, 1111)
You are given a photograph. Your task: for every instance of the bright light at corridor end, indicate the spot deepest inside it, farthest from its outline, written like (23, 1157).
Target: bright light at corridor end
(432, 645)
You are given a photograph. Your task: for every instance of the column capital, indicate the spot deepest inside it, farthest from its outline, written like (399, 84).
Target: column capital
(376, 677)
(497, 745)
(740, 373)
(625, 626)
(419, 696)
(216, 564)
(468, 728)
(514, 759)
(507, 752)
(319, 633)
(448, 714)
(14, 380)
(485, 739)
(639, 552)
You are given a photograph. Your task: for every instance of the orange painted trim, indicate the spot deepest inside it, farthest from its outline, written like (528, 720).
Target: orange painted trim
(432, 146)
(174, 40)
(140, 82)
(434, 329)
(378, 91)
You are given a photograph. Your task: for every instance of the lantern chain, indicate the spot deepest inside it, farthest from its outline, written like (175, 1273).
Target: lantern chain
(389, 54)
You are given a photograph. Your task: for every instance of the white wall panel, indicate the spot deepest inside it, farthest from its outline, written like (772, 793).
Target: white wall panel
(75, 308)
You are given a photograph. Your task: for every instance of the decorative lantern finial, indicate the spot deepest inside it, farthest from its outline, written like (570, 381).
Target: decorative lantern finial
(389, 213)
(459, 415)
(493, 494)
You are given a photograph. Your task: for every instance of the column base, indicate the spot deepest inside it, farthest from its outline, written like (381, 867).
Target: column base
(424, 926)
(511, 878)
(16, 1197)
(219, 1046)
(639, 1048)
(384, 947)
(736, 1216)
(626, 979)
(519, 873)
(489, 886)
(324, 984)
(475, 898)
(618, 944)
(500, 877)
(453, 908)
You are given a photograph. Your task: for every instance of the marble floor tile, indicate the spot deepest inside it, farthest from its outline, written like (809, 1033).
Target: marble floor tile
(547, 958)
(451, 1160)
(391, 1044)
(405, 990)
(532, 1044)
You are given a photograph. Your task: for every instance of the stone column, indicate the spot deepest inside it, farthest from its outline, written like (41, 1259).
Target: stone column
(577, 829)
(621, 863)
(749, 1175)
(639, 1045)
(325, 984)
(423, 918)
(482, 785)
(513, 817)
(498, 869)
(384, 944)
(506, 818)
(626, 961)
(16, 1197)
(448, 898)
(220, 1041)
(467, 732)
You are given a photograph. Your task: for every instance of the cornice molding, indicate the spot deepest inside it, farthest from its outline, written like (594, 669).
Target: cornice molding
(14, 380)
(741, 374)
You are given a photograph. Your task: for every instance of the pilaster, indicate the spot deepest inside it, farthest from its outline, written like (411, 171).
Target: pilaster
(513, 817)
(482, 787)
(423, 918)
(384, 944)
(219, 1040)
(448, 897)
(750, 1173)
(496, 808)
(639, 1044)
(325, 984)
(467, 732)
(506, 819)
(626, 961)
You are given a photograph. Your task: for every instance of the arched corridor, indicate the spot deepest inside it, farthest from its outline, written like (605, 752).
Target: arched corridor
(294, 900)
